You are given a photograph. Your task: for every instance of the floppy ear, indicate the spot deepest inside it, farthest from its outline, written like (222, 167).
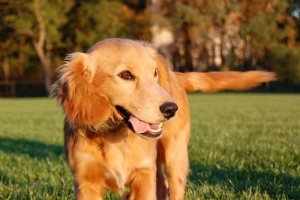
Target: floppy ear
(82, 102)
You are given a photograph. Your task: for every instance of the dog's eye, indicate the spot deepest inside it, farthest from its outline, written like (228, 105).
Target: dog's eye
(126, 75)
(155, 73)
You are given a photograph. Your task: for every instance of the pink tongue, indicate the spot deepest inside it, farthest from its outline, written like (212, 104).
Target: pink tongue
(138, 125)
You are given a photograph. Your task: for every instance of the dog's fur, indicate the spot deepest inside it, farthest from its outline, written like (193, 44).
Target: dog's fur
(117, 79)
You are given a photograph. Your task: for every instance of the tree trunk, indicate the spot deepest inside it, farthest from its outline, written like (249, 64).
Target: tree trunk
(5, 64)
(39, 44)
(21, 58)
(5, 67)
(46, 66)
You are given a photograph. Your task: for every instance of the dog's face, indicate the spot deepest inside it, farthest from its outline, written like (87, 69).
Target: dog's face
(119, 79)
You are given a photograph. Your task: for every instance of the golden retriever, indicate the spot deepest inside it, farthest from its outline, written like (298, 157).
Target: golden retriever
(127, 118)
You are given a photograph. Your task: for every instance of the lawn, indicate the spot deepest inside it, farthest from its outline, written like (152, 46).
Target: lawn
(243, 146)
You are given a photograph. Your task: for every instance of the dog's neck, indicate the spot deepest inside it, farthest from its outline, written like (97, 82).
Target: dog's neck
(111, 128)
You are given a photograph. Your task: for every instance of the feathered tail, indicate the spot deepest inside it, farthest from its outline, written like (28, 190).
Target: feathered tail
(217, 81)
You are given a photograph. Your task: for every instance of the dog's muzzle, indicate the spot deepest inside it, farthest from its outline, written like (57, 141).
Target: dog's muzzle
(145, 129)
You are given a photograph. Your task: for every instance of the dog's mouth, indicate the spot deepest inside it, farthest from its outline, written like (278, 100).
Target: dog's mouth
(143, 129)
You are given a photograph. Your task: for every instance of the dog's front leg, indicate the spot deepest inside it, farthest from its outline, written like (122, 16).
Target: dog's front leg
(162, 186)
(143, 185)
(93, 179)
(89, 180)
(174, 154)
(86, 192)
(177, 170)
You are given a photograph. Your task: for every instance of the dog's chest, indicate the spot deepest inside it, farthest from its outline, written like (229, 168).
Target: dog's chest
(124, 159)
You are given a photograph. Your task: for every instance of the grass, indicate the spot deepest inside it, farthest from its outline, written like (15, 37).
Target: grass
(243, 146)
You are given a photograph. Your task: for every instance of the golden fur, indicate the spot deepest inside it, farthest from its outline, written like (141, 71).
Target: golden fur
(119, 80)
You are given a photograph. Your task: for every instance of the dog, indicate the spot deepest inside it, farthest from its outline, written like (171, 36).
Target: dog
(127, 121)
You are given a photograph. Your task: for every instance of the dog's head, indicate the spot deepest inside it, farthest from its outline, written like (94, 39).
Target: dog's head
(117, 80)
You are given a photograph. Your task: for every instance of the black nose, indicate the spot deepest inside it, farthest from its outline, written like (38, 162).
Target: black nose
(168, 109)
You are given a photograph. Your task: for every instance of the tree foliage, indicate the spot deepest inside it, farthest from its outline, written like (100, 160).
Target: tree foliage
(208, 34)
(237, 34)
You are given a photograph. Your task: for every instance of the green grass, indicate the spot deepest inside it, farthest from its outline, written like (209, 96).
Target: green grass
(243, 146)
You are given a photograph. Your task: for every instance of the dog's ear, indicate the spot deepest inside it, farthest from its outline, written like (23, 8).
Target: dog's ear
(82, 102)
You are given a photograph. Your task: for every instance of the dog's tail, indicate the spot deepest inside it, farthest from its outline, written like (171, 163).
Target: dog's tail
(217, 81)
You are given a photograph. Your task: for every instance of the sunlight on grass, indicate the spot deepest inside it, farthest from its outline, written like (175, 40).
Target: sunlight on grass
(31, 153)
(243, 146)
(242, 142)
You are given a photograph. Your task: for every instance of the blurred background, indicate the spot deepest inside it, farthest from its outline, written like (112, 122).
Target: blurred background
(193, 35)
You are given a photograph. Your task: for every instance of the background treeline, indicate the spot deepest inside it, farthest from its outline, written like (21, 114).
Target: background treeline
(198, 35)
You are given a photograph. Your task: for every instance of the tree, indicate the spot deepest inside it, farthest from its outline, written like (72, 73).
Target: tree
(37, 22)
(8, 35)
(91, 21)
(273, 34)
(202, 32)
(233, 35)
(200, 35)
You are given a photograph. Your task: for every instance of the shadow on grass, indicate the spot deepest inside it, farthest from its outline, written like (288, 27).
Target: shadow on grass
(33, 149)
(275, 185)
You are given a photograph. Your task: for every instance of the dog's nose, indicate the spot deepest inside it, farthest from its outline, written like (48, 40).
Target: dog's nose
(168, 109)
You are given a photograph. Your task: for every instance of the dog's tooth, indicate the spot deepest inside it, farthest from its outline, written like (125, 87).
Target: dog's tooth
(155, 130)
